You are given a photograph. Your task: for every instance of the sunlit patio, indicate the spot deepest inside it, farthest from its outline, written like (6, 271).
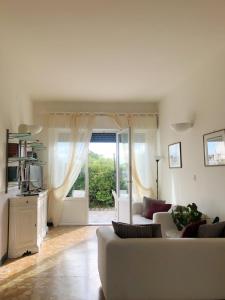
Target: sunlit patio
(102, 216)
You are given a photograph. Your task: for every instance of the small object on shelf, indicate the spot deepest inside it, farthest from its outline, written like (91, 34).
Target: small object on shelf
(13, 150)
(31, 154)
(216, 220)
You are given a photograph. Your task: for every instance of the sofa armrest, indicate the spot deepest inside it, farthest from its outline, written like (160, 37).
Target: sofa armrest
(137, 208)
(106, 237)
(167, 224)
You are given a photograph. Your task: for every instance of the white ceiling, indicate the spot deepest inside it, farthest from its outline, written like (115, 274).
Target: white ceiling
(107, 49)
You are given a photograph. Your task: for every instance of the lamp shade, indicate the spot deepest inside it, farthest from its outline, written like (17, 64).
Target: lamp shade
(158, 157)
(33, 129)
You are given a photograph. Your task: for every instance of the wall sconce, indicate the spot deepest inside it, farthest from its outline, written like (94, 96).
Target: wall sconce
(33, 129)
(181, 127)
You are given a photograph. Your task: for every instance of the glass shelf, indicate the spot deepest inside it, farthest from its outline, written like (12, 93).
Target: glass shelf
(37, 145)
(39, 148)
(40, 163)
(15, 159)
(12, 184)
(29, 138)
(19, 135)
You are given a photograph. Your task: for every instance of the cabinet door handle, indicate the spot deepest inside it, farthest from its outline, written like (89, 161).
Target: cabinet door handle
(35, 225)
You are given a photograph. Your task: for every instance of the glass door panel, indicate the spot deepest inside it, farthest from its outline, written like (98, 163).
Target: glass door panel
(124, 182)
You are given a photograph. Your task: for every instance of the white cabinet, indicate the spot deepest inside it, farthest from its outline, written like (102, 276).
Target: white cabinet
(27, 224)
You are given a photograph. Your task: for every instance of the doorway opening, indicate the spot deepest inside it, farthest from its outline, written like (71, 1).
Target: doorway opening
(107, 169)
(102, 177)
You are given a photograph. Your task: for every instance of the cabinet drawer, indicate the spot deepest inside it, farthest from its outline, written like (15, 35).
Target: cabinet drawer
(23, 201)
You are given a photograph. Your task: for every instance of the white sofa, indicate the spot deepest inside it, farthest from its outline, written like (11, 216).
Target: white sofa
(160, 268)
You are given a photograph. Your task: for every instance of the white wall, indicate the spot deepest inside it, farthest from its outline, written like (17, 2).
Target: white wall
(15, 108)
(203, 95)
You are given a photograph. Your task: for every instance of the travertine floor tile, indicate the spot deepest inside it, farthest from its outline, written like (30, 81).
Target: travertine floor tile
(64, 269)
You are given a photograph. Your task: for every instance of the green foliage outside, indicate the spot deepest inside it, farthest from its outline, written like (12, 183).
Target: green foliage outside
(102, 180)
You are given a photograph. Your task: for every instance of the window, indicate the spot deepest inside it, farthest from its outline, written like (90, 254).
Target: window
(78, 188)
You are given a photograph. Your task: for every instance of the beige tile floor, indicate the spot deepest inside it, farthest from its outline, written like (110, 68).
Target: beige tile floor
(64, 269)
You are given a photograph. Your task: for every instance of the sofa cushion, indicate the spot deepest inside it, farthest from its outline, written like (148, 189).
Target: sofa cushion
(147, 202)
(124, 230)
(157, 207)
(191, 230)
(211, 230)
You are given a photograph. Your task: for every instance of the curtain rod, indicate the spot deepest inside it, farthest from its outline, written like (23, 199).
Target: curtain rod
(105, 113)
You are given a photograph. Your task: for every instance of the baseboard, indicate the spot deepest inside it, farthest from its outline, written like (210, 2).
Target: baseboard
(3, 259)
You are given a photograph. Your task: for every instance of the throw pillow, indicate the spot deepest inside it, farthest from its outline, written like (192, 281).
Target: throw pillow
(211, 230)
(155, 207)
(223, 233)
(124, 230)
(156, 230)
(147, 202)
(191, 230)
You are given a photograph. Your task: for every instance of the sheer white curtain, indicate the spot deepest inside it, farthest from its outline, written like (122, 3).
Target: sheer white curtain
(144, 144)
(143, 138)
(69, 137)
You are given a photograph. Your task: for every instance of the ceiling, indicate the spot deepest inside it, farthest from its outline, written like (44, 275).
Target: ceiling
(106, 50)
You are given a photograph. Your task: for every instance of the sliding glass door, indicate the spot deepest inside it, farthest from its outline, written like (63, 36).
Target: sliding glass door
(124, 176)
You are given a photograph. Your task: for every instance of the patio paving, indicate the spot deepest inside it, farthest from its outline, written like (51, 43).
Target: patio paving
(101, 217)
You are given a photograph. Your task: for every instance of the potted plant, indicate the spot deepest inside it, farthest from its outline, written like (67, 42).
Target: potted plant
(184, 215)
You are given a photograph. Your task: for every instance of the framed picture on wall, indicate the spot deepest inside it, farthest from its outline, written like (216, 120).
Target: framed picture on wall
(174, 155)
(214, 148)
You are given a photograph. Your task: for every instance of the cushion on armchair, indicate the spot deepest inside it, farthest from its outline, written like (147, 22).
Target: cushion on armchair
(147, 202)
(191, 230)
(157, 207)
(211, 230)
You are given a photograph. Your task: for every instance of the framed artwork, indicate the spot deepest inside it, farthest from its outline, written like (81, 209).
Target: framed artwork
(174, 154)
(214, 148)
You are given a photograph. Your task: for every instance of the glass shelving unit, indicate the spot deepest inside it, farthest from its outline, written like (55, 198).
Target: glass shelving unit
(27, 146)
